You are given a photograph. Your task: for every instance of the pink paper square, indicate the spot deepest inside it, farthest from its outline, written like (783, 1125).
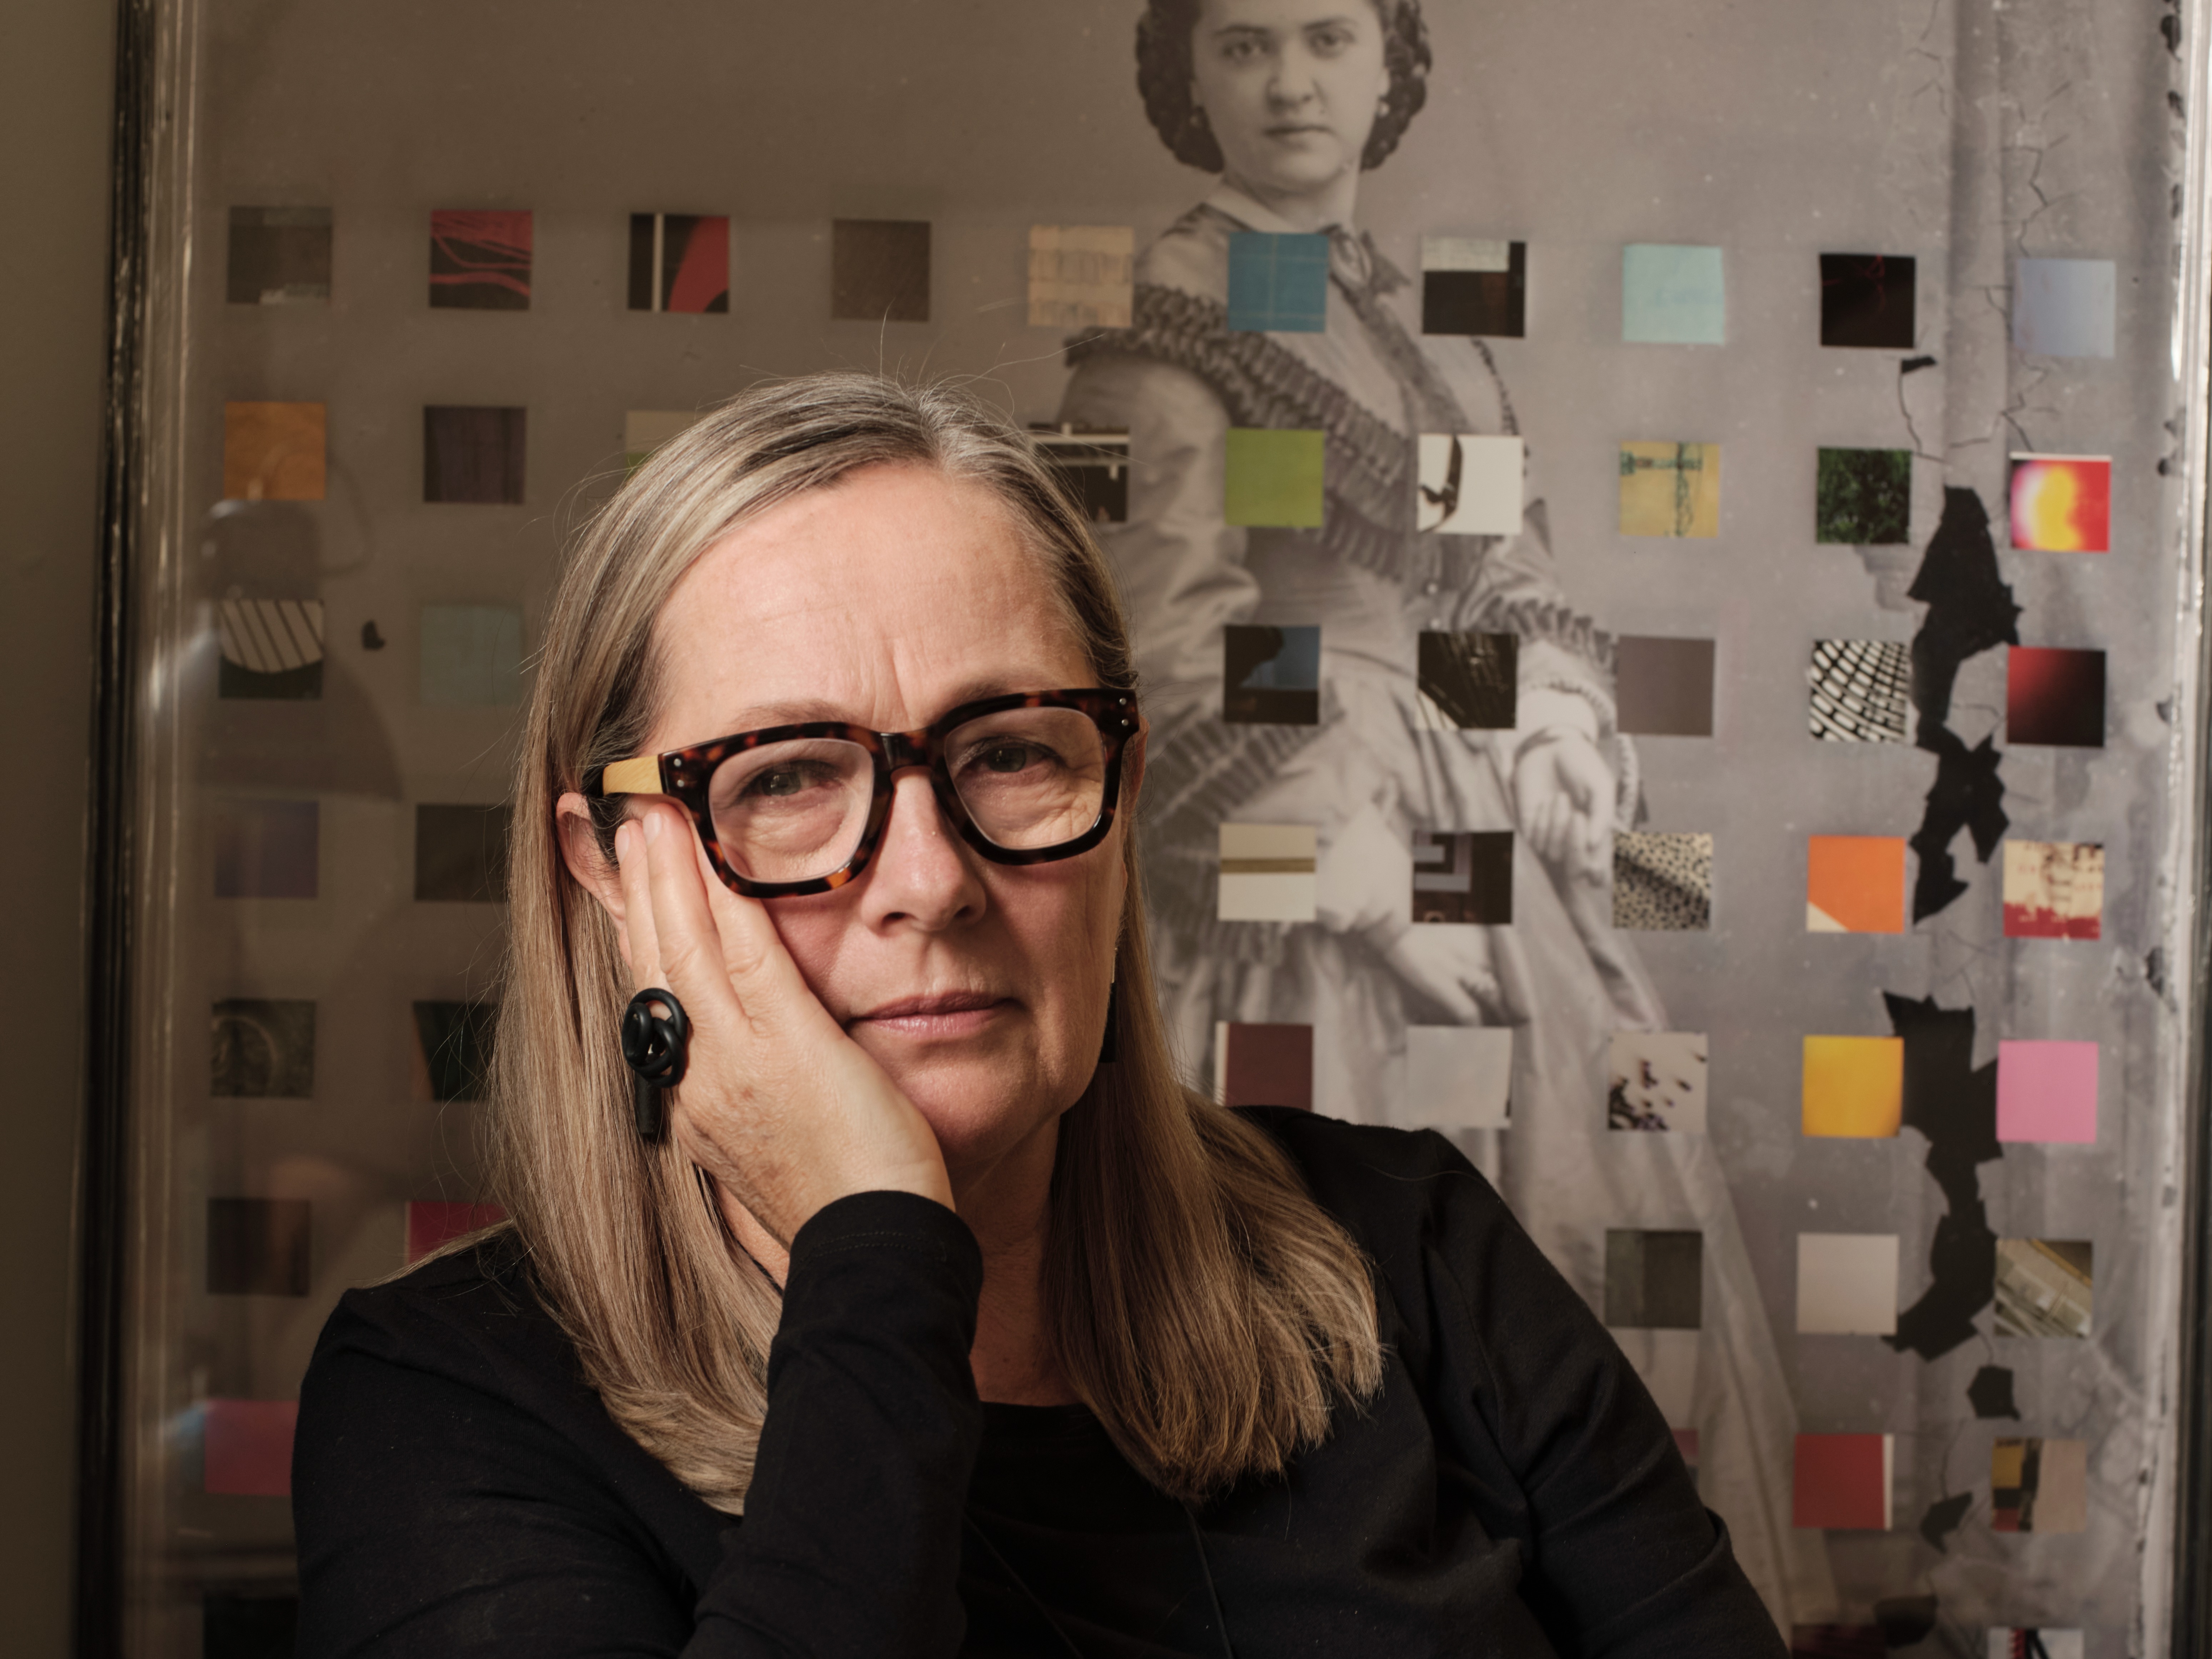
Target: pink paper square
(2047, 1091)
(248, 1447)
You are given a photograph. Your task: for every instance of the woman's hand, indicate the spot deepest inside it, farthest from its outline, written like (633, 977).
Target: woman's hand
(778, 1104)
(1563, 794)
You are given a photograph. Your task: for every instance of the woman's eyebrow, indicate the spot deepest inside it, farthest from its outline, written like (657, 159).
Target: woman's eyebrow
(812, 710)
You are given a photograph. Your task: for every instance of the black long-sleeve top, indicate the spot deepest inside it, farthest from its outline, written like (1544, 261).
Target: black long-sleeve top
(1511, 1490)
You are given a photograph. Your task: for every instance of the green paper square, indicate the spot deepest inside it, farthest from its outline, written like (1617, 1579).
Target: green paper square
(472, 656)
(1273, 479)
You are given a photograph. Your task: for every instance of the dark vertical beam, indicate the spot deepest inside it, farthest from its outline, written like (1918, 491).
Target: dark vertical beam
(105, 1206)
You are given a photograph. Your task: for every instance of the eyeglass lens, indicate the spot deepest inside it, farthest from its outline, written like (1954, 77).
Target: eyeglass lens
(1030, 778)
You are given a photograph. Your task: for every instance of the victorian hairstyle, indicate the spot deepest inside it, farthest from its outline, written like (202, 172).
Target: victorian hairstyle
(1199, 1301)
(1164, 72)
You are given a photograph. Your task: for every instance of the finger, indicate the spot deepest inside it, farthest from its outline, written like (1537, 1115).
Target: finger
(687, 947)
(637, 903)
(755, 959)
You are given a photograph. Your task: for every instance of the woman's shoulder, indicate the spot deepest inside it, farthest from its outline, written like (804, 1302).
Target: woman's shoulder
(1191, 256)
(1391, 1186)
(474, 1316)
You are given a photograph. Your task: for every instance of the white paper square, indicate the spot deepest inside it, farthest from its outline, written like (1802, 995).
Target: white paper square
(1847, 1284)
(1465, 253)
(1457, 1077)
(1659, 1082)
(1485, 500)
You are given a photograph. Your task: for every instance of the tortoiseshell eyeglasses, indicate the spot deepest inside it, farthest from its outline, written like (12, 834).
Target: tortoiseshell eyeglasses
(1026, 778)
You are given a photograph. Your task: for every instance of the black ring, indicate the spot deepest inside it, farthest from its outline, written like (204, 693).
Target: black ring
(653, 1044)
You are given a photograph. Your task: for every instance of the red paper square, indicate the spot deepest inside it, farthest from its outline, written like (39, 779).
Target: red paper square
(1842, 1482)
(247, 1447)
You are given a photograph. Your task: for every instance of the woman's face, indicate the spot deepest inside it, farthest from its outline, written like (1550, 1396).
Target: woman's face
(885, 601)
(1292, 88)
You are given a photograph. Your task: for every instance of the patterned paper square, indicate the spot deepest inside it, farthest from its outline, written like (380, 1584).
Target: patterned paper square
(2061, 503)
(2038, 1485)
(1862, 690)
(1863, 497)
(1270, 676)
(679, 261)
(1670, 489)
(1268, 873)
(1278, 283)
(279, 256)
(1662, 881)
(1659, 1082)
(2053, 889)
(1466, 876)
(2045, 1287)
(1082, 276)
(1474, 285)
(273, 452)
(479, 259)
(1469, 484)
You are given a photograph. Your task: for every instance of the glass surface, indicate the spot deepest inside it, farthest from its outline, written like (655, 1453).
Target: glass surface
(1778, 373)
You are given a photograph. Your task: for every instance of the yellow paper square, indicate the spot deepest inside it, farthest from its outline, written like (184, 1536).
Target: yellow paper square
(1670, 489)
(1854, 1086)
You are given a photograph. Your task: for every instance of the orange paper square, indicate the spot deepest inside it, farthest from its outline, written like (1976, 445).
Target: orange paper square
(273, 452)
(1855, 884)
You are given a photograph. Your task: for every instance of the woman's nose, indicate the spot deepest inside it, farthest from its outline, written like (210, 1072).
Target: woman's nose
(921, 872)
(1292, 82)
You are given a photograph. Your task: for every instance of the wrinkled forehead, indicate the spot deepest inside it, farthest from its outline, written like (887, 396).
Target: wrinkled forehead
(883, 601)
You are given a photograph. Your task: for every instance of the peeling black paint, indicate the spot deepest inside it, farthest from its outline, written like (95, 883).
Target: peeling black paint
(1905, 1620)
(1954, 1105)
(1991, 1393)
(1970, 609)
(1945, 1516)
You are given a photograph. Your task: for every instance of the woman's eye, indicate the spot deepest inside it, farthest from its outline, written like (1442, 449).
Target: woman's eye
(780, 781)
(1241, 49)
(1006, 757)
(1329, 42)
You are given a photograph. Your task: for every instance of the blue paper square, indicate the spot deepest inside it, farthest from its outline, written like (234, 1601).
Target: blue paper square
(472, 656)
(1672, 295)
(2065, 307)
(1278, 283)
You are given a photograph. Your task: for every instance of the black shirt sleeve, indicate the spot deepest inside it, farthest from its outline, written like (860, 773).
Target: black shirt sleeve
(458, 1498)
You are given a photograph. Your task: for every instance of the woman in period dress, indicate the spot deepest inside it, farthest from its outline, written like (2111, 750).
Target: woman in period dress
(1289, 100)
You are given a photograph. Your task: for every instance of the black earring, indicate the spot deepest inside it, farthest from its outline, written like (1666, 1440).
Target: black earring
(653, 1046)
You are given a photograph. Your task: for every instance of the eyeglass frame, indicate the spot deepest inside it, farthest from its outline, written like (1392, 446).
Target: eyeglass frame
(683, 775)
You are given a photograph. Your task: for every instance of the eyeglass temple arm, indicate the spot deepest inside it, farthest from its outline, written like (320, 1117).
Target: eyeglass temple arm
(640, 776)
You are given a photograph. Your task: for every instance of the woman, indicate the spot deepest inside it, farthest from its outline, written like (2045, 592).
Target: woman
(921, 1329)
(1290, 102)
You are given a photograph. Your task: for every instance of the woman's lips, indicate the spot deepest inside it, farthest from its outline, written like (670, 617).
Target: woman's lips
(957, 1013)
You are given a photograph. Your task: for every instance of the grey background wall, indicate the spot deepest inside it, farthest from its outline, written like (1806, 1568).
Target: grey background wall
(54, 122)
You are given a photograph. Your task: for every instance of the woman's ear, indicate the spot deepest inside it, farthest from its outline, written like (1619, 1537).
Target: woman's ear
(593, 870)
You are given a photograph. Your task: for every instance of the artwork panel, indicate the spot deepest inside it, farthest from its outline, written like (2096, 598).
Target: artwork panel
(454, 1042)
(1672, 295)
(1263, 1065)
(262, 1048)
(247, 1447)
(1671, 489)
(2045, 1287)
(460, 852)
(1464, 877)
(278, 256)
(2065, 308)
(432, 1224)
(1273, 479)
(271, 650)
(1843, 1482)
(1863, 497)
(1467, 682)
(480, 259)
(1457, 1077)
(1659, 1082)
(1654, 1280)
(1663, 687)
(1268, 873)
(2038, 1485)
(1271, 676)
(1092, 467)
(879, 270)
(1867, 300)
(474, 455)
(1861, 690)
(2055, 696)
(1847, 1284)
(2030, 1641)
(1082, 276)
(1474, 286)
(1470, 484)
(1854, 1087)
(273, 451)
(645, 430)
(266, 848)
(1278, 283)
(2047, 1091)
(2061, 503)
(258, 1246)
(472, 656)
(2053, 889)
(1662, 881)
(1855, 884)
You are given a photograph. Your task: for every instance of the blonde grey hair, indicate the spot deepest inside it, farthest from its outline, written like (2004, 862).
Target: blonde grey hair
(1200, 1301)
